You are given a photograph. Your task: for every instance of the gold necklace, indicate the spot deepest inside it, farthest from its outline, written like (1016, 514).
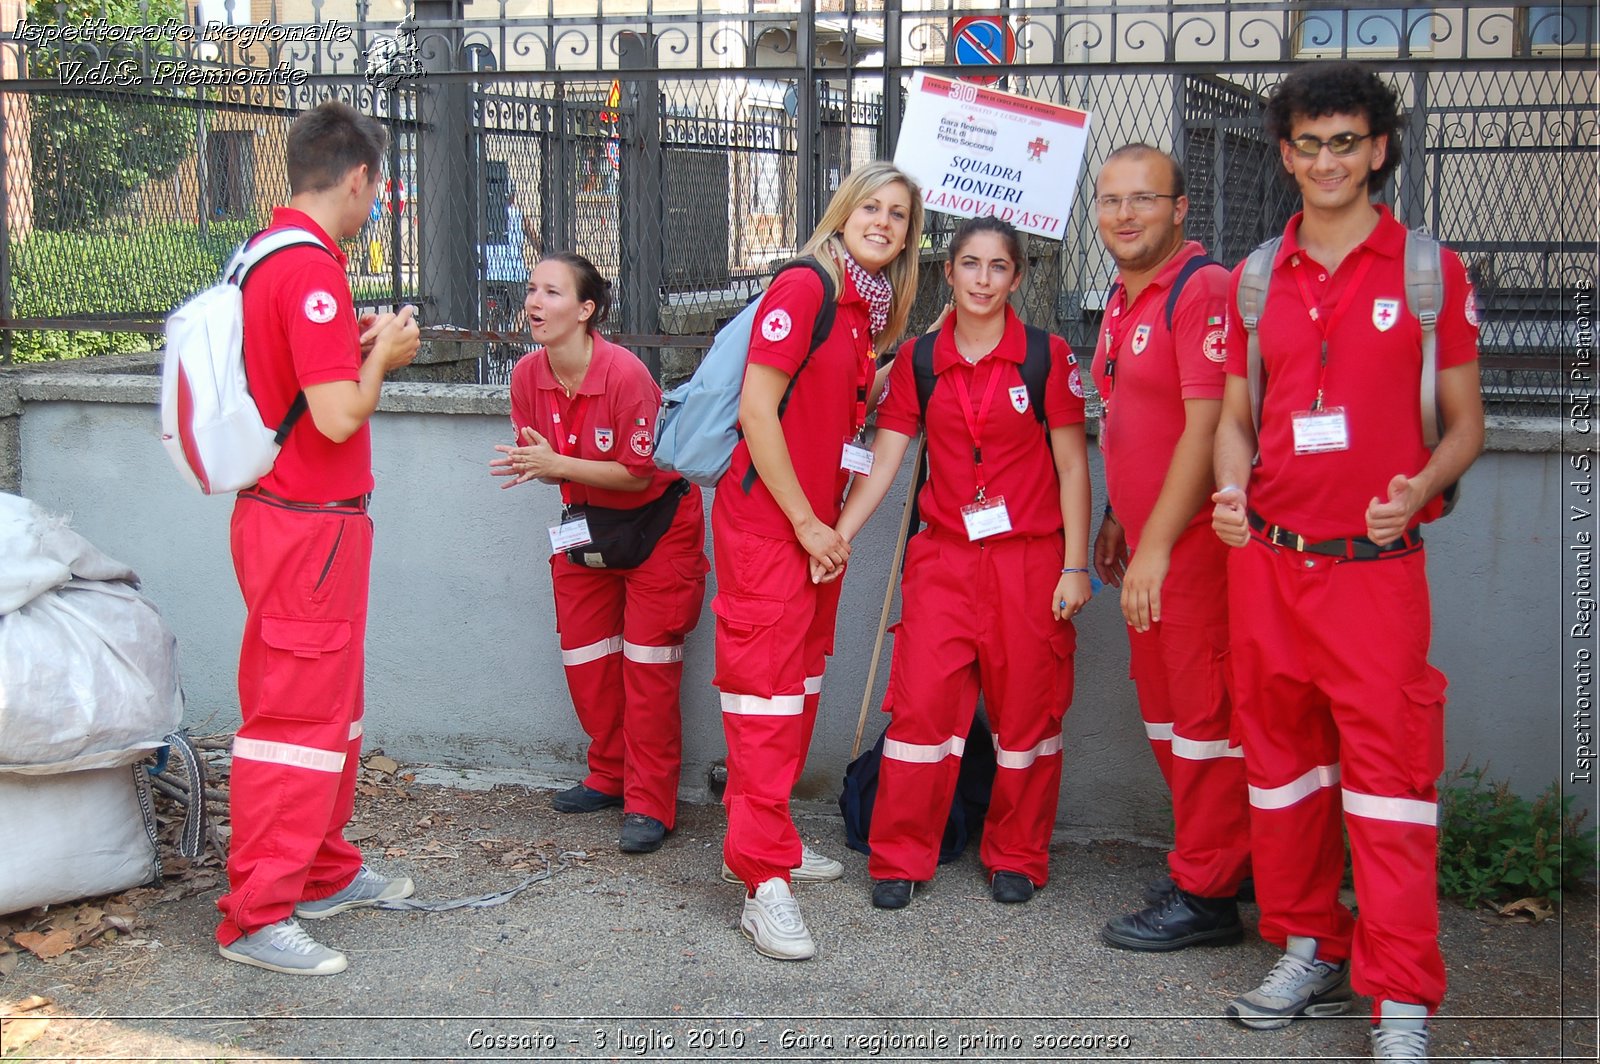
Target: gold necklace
(582, 373)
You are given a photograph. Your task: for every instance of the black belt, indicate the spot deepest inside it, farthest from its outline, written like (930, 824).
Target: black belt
(1356, 548)
(359, 502)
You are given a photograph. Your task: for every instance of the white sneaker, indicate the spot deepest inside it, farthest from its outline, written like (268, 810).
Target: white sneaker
(285, 947)
(813, 868)
(772, 921)
(1401, 1032)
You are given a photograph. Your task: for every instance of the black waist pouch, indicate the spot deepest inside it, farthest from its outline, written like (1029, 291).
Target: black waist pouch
(623, 539)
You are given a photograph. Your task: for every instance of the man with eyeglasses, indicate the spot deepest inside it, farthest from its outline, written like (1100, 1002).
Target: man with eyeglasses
(1338, 708)
(1158, 367)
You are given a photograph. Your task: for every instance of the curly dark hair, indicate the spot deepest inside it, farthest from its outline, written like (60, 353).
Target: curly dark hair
(1319, 89)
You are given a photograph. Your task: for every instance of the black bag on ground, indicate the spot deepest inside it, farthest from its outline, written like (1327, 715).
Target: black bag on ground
(623, 539)
(968, 807)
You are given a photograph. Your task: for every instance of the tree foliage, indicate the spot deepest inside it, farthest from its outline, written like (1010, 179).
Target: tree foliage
(92, 149)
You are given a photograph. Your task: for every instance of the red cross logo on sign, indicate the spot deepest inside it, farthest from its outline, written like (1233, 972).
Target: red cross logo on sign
(1385, 312)
(1036, 149)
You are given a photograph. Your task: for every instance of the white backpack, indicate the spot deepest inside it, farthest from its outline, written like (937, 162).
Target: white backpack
(209, 423)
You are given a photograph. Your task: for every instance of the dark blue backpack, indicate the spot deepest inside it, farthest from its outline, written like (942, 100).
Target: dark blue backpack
(967, 808)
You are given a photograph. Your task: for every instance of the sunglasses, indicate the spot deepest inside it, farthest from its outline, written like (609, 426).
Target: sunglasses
(1339, 144)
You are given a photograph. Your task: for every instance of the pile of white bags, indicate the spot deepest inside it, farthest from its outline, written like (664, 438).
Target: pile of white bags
(88, 685)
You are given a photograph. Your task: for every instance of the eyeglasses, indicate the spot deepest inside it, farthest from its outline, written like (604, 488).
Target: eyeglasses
(1339, 144)
(1141, 202)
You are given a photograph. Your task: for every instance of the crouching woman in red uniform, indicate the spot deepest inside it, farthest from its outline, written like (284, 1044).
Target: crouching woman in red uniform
(773, 517)
(627, 550)
(991, 583)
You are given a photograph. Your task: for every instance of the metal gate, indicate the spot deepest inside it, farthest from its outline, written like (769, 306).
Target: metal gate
(688, 151)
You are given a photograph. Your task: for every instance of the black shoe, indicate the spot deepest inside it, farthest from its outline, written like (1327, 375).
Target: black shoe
(1156, 891)
(891, 893)
(584, 799)
(640, 833)
(1011, 888)
(1182, 919)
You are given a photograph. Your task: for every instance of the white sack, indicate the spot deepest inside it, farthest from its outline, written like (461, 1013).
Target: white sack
(73, 835)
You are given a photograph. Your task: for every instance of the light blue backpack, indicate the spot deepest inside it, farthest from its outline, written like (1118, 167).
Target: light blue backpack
(698, 425)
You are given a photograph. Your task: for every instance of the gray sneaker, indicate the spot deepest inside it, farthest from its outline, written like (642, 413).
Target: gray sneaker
(1298, 985)
(1401, 1032)
(285, 947)
(363, 892)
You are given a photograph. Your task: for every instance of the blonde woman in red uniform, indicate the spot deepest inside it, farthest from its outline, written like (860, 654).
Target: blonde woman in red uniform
(772, 521)
(627, 559)
(993, 581)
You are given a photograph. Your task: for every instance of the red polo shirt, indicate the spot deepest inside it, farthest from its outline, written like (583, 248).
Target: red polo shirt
(1017, 463)
(611, 418)
(823, 408)
(1374, 372)
(300, 329)
(1145, 371)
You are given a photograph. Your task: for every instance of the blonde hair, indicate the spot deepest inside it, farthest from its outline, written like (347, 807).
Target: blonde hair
(902, 272)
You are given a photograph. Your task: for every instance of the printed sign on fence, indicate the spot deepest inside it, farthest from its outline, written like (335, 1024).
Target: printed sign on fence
(978, 151)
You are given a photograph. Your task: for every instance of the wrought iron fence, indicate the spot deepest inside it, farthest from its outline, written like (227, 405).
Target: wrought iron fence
(687, 151)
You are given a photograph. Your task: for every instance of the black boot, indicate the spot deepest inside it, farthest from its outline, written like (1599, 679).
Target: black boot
(1180, 920)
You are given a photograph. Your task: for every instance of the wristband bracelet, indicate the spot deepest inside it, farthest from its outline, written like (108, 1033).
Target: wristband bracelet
(1229, 487)
(1074, 570)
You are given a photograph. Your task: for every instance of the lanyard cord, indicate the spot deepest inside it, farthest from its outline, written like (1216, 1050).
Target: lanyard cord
(1324, 319)
(975, 424)
(561, 439)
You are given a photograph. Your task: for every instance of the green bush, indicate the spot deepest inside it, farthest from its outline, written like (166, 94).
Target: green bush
(1498, 846)
(123, 271)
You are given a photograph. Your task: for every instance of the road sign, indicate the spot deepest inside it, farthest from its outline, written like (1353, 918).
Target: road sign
(983, 40)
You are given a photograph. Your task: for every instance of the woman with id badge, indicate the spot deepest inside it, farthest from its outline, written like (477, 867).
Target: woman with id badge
(991, 583)
(802, 410)
(627, 557)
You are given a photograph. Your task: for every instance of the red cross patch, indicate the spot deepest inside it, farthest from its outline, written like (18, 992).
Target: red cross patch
(320, 307)
(1214, 348)
(1385, 312)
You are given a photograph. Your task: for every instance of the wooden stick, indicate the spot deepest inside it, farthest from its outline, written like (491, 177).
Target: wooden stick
(888, 601)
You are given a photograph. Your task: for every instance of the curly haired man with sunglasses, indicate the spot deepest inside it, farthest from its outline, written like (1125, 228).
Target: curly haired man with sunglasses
(1340, 713)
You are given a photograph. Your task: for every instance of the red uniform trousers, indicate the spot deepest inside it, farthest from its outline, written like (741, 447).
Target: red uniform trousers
(622, 633)
(1179, 667)
(304, 575)
(1339, 710)
(974, 616)
(774, 635)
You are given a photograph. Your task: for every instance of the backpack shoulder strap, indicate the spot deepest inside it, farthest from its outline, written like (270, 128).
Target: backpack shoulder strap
(258, 249)
(1190, 268)
(1254, 280)
(820, 329)
(1035, 368)
(1424, 297)
(922, 370)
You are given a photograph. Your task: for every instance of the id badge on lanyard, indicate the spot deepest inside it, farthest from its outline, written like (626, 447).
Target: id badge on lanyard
(573, 531)
(1320, 431)
(1323, 429)
(856, 456)
(987, 517)
(983, 516)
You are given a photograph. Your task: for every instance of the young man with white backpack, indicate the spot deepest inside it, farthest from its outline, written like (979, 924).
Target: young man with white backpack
(1340, 714)
(302, 543)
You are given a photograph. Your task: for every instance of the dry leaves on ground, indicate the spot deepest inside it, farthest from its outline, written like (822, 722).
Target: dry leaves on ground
(18, 1029)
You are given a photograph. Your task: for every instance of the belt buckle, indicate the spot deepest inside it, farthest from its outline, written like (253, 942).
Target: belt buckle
(1299, 543)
